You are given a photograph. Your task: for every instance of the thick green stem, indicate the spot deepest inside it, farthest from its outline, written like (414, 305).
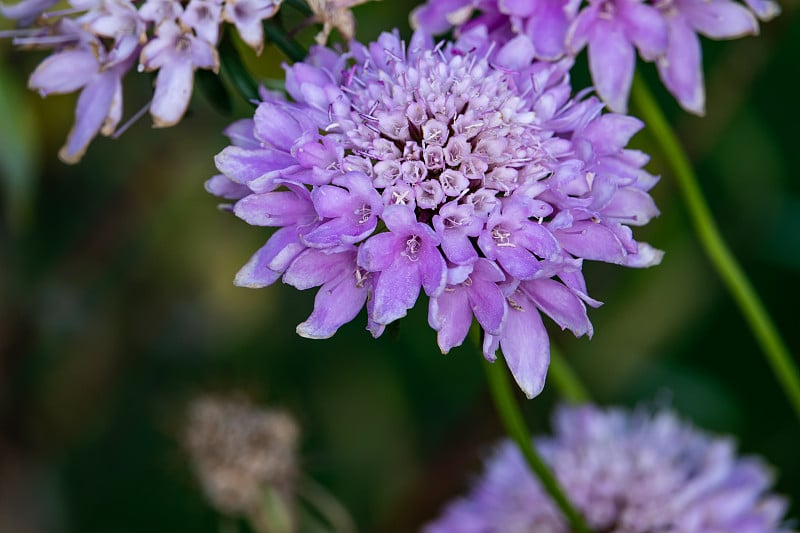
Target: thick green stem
(512, 419)
(723, 260)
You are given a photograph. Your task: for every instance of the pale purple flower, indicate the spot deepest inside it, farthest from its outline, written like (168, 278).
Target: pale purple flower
(611, 29)
(680, 67)
(626, 473)
(407, 168)
(663, 31)
(175, 53)
(247, 16)
(83, 65)
(97, 42)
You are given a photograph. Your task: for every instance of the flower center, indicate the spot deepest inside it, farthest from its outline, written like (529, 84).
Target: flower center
(413, 246)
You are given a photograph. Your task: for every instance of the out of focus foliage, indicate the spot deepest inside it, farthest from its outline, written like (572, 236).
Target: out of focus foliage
(117, 307)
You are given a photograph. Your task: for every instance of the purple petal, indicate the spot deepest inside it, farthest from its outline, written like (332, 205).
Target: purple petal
(560, 304)
(283, 244)
(378, 252)
(449, 314)
(94, 105)
(224, 187)
(631, 206)
(681, 69)
(336, 303)
(516, 54)
(591, 241)
(173, 91)
(64, 72)
(280, 125)
(282, 208)
(244, 165)
(396, 291)
(26, 11)
(611, 62)
(525, 346)
(486, 299)
(719, 19)
(764, 9)
(645, 256)
(399, 219)
(646, 27)
(432, 269)
(548, 28)
(313, 268)
(610, 133)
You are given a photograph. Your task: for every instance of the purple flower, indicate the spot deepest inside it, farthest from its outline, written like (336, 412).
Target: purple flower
(175, 52)
(97, 42)
(611, 29)
(663, 31)
(81, 64)
(625, 472)
(402, 168)
(681, 67)
(247, 15)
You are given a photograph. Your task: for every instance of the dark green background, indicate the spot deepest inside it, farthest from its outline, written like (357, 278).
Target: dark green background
(117, 307)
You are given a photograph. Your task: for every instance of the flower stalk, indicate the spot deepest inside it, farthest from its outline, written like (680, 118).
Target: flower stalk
(729, 270)
(515, 427)
(565, 380)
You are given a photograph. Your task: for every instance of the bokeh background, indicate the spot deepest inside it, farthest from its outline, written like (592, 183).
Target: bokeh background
(117, 308)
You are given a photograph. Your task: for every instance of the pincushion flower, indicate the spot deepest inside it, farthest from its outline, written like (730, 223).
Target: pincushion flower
(626, 473)
(663, 31)
(399, 169)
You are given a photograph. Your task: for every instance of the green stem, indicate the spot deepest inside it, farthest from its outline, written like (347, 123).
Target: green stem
(234, 67)
(512, 419)
(282, 40)
(300, 6)
(565, 380)
(723, 260)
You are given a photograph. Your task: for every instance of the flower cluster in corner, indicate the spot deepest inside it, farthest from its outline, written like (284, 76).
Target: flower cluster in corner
(398, 169)
(96, 44)
(663, 31)
(625, 472)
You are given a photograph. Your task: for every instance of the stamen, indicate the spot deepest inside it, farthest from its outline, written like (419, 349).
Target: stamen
(45, 39)
(136, 116)
(502, 237)
(413, 245)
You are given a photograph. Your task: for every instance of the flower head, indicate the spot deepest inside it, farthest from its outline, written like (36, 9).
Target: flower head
(239, 449)
(399, 169)
(625, 472)
(663, 31)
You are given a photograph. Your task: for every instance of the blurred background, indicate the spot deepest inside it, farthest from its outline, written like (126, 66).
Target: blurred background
(117, 308)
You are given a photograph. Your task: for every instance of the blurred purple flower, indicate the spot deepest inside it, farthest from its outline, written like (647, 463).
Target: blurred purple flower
(424, 167)
(625, 472)
(96, 43)
(176, 53)
(663, 31)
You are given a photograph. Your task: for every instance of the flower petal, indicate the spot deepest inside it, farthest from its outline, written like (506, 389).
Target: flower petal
(681, 69)
(526, 347)
(283, 244)
(611, 62)
(173, 91)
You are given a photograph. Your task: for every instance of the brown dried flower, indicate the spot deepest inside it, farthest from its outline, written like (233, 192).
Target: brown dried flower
(239, 451)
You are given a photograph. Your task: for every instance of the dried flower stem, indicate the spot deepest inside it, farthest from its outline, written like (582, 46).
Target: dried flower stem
(717, 250)
(512, 419)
